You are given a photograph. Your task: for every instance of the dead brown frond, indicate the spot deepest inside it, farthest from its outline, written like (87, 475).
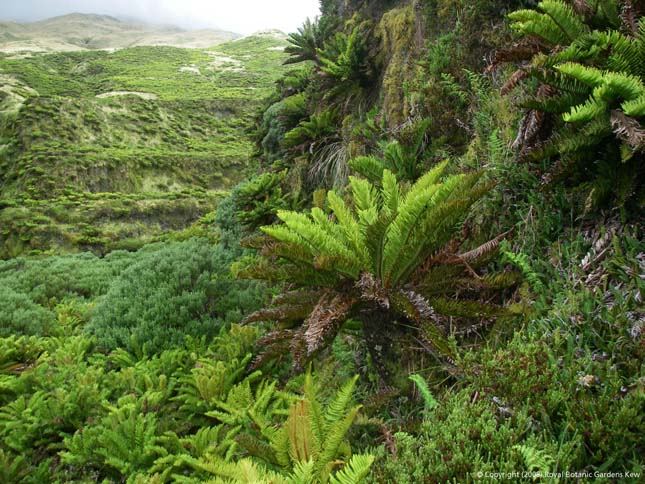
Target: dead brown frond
(325, 318)
(517, 77)
(274, 345)
(628, 129)
(484, 249)
(285, 313)
(522, 50)
(528, 134)
(296, 297)
(583, 8)
(630, 16)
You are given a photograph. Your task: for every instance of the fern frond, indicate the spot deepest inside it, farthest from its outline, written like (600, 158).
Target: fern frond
(483, 250)
(582, 113)
(634, 108)
(567, 20)
(428, 398)
(370, 167)
(334, 438)
(303, 444)
(559, 24)
(338, 407)
(390, 193)
(354, 471)
(303, 473)
(376, 239)
(350, 226)
(535, 460)
(317, 420)
(257, 448)
(590, 76)
(325, 319)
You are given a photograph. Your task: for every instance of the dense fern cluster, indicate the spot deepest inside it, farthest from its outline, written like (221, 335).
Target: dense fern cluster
(587, 60)
(71, 413)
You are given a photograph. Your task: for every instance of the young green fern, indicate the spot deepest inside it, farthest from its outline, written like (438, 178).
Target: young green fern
(535, 460)
(521, 261)
(310, 447)
(428, 398)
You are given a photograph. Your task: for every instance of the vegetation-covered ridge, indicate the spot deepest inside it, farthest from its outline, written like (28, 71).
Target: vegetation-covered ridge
(79, 31)
(434, 273)
(142, 140)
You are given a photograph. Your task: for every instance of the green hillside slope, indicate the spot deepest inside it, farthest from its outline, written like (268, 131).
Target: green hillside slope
(97, 146)
(78, 31)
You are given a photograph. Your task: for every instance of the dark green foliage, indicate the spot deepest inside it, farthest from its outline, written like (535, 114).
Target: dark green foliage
(279, 118)
(160, 299)
(20, 315)
(309, 39)
(180, 290)
(258, 200)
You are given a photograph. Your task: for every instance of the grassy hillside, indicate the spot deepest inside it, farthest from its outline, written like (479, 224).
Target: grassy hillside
(164, 127)
(85, 32)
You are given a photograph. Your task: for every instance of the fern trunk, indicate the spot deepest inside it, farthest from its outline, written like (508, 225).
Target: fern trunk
(381, 335)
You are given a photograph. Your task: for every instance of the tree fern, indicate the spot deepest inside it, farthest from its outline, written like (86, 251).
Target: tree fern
(372, 249)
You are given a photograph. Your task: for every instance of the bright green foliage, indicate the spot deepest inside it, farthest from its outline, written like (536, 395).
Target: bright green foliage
(594, 76)
(403, 158)
(309, 447)
(110, 416)
(535, 460)
(390, 251)
(128, 442)
(428, 399)
(559, 24)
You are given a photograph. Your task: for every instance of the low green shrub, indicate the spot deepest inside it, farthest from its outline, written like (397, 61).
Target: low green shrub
(20, 315)
(181, 289)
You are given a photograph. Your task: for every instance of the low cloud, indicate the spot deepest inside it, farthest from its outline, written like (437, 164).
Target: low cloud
(242, 16)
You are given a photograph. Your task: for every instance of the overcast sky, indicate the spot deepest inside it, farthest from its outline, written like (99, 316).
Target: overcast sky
(241, 16)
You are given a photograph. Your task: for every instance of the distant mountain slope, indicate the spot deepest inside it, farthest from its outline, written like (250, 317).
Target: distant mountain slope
(87, 31)
(100, 150)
